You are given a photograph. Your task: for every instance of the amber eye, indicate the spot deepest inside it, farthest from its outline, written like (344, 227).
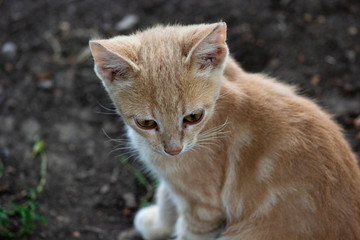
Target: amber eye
(193, 118)
(146, 124)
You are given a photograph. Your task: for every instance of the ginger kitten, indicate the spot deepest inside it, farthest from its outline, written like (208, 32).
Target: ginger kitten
(238, 155)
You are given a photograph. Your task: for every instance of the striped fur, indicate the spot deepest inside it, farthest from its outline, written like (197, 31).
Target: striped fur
(263, 164)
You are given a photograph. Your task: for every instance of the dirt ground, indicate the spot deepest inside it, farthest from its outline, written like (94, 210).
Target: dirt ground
(48, 88)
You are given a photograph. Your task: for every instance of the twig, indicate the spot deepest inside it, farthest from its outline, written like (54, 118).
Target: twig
(92, 229)
(55, 45)
(141, 179)
(1, 166)
(43, 170)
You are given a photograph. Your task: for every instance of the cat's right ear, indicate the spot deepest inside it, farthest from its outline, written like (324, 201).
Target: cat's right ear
(110, 66)
(210, 51)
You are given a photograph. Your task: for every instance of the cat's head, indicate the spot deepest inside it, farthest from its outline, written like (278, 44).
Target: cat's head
(164, 81)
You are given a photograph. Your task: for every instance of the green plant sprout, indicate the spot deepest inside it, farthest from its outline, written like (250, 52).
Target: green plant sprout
(21, 219)
(1, 168)
(142, 180)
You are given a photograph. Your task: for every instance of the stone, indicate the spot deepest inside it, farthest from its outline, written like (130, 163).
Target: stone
(357, 123)
(127, 22)
(130, 234)
(9, 49)
(46, 84)
(130, 201)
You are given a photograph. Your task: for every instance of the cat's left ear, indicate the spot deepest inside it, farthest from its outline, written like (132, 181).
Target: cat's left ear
(211, 51)
(110, 66)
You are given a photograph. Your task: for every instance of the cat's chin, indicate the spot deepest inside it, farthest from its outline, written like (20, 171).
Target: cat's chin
(165, 154)
(169, 155)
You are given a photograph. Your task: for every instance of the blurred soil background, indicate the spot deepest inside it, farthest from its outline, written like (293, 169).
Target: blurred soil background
(48, 89)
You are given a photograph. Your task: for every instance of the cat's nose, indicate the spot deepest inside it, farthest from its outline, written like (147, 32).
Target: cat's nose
(173, 152)
(172, 145)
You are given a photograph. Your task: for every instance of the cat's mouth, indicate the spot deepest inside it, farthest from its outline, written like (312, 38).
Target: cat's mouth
(169, 153)
(173, 153)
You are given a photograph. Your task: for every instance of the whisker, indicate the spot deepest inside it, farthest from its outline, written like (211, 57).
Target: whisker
(214, 133)
(216, 129)
(194, 149)
(134, 151)
(106, 108)
(205, 147)
(224, 94)
(134, 154)
(199, 147)
(211, 137)
(124, 148)
(106, 113)
(118, 140)
(208, 142)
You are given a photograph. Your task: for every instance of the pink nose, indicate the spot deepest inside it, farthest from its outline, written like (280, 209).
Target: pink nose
(173, 152)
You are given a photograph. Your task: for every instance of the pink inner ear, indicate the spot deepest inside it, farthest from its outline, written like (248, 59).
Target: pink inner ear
(211, 51)
(111, 66)
(212, 58)
(215, 57)
(113, 73)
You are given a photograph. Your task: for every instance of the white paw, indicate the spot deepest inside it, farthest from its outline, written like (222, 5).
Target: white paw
(149, 225)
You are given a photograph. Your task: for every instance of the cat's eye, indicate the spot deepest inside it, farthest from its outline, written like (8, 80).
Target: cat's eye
(193, 118)
(146, 123)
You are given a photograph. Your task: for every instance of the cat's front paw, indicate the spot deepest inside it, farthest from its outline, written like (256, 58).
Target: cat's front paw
(148, 224)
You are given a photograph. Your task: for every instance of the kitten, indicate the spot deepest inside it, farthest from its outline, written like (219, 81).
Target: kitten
(238, 155)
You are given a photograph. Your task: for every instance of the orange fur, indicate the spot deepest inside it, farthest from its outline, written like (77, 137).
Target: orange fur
(263, 163)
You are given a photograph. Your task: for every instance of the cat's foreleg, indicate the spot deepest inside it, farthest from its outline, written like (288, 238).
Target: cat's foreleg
(193, 228)
(157, 222)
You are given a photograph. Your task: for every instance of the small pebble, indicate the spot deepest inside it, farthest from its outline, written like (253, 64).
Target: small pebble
(65, 26)
(352, 30)
(357, 123)
(63, 219)
(5, 153)
(45, 84)
(9, 49)
(9, 67)
(127, 22)
(130, 201)
(308, 17)
(351, 55)
(321, 19)
(114, 175)
(315, 80)
(330, 60)
(130, 234)
(8, 123)
(105, 189)
(76, 234)
(274, 62)
(301, 57)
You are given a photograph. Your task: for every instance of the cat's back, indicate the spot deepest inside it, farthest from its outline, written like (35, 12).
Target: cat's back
(288, 120)
(294, 146)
